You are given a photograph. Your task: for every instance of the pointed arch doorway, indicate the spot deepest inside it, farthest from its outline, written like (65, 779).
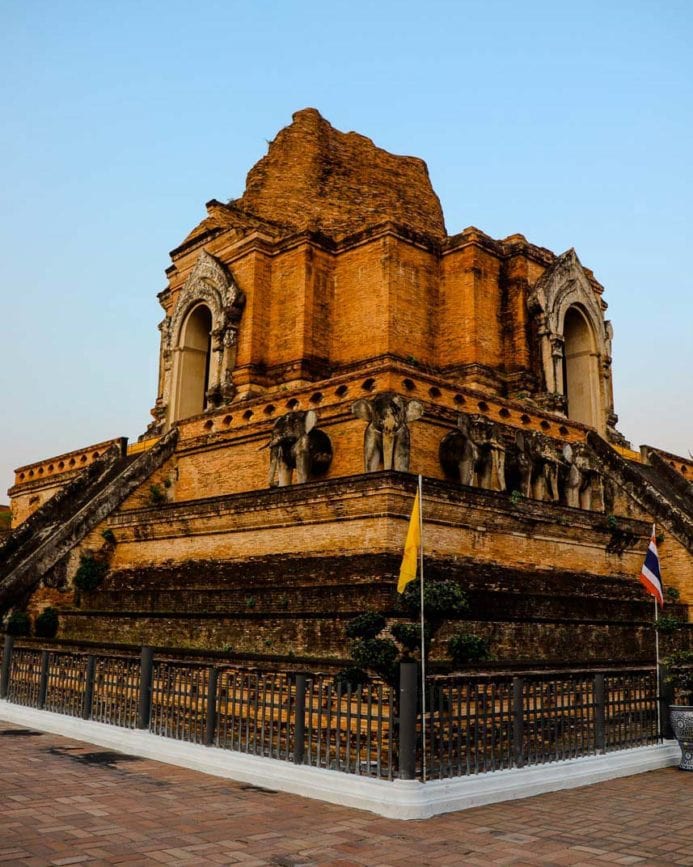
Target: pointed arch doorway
(193, 358)
(580, 369)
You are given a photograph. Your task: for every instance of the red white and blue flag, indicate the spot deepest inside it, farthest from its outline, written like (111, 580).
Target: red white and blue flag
(650, 575)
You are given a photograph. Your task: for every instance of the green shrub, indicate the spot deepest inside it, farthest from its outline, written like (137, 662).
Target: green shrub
(157, 497)
(671, 594)
(351, 677)
(90, 573)
(46, 625)
(680, 675)
(466, 649)
(408, 635)
(366, 625)
(18, 624)
(379, 654)
(442, 599)
(667, 624)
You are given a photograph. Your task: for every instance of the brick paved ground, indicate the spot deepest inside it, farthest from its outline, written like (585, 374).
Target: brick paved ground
(62, 805)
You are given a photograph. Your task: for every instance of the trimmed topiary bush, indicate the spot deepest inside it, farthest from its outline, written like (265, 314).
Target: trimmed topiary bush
(466, 649)
(366, 625)
(18, 624)
(378, 654)
(351, 677)
(46, 625)
(408, 635)
(442, 599)
(90, 573)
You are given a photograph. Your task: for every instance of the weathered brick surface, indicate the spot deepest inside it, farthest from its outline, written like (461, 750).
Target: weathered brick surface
(315, 177)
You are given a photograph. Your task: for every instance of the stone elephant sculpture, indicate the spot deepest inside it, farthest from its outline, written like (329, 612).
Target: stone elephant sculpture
(580, 476)
(386, 442)
(296, 445)
(491, 449)
(459, 453)
(546, 462)
(475, 453)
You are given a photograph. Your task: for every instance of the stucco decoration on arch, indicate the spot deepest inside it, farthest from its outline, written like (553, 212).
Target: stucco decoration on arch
(564, 286)
(209, 283)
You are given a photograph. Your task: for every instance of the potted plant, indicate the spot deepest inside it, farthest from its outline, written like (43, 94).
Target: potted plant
(680, 677)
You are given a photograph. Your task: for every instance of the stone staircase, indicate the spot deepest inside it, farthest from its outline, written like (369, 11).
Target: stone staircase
(64, 520)
(658, 488)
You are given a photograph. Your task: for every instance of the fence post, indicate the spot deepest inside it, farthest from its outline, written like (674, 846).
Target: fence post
(666, 698)
(144, 708)
(300, 724)
(6, 666)
(518, 721)
(211, 725)
(408, 701)
(43, 680)
(89, 687)
(600, 712)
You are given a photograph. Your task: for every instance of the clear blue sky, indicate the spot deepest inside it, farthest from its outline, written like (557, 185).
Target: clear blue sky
(571, 123)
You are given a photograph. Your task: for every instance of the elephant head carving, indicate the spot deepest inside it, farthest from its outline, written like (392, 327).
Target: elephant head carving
(386, 442)
(297, 445)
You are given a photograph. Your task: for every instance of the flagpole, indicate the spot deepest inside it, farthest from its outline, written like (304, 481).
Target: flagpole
(423, 640)
(656, 607)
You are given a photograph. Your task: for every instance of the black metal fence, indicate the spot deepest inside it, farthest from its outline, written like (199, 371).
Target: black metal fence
(476, 724)
(473, 723)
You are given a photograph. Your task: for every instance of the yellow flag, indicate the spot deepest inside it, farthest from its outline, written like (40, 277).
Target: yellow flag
(407, 571)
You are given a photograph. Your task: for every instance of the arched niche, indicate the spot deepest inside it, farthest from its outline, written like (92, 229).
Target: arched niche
(581, 384)
(574, 343)
(193, 357)
(198, 345)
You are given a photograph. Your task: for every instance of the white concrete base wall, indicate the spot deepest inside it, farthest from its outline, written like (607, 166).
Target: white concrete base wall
(400, 799)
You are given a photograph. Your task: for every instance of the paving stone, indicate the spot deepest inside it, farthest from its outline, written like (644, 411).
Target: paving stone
(59, 812)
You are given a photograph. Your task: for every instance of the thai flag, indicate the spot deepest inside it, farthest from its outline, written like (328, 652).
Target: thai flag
(650, 575)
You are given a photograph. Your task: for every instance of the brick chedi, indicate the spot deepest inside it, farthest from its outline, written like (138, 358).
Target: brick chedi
(323, 341)
(319, 179)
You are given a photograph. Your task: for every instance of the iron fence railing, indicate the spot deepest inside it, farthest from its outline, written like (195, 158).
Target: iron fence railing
(115, 691)
(473, 723)
(350, 730)
(476, 724)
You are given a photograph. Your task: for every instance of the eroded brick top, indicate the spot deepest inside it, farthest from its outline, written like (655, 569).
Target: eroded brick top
(316, 177)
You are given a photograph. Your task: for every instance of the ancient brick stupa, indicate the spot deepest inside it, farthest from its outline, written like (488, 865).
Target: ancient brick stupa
(324, 340)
